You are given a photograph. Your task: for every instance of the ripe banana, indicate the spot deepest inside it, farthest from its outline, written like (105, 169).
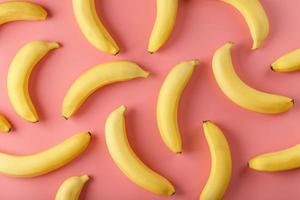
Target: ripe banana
(256, 18)
(92, 28)
(164, 23)
(21, 10)
(5, 126)
(240, 93)
(286, 159)
(95, 78)
(126, 159)
(221, 164)
(19, 74)
(288, 62)
(71, 188)
(45, 161)
(167, 103)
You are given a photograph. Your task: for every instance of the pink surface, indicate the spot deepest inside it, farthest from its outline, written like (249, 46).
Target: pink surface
(201, 28)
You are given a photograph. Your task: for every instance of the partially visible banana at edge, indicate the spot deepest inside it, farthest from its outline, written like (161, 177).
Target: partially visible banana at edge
(166, 12)
(282, 160)
(128, 162)
(221, 163)
(288, 62)
(240, 93)
(167, 103)
(45, 161)
(256, 18)
(95, 78)
(92, 27)
(19, 73)
(21, 10)
(5, 125)
(71, 188)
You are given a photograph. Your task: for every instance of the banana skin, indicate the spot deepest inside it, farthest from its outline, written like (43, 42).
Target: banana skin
(21, 10)
(5, 125)
(240, 93)
(19, 74)
(221, 163)
(288, 62)
(71, 188)
(45, 161)
(168, 101)
(128, 162)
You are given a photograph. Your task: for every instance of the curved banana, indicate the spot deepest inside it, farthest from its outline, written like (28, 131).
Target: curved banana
(95, 78)
(44, 161)
(19, 74)
(167, 103)
(288, 62)
(240, 93)
(92, 28)
(286, 159)
(21, 10)
(71, 188)
(5, 126)
(221, 164)
(126, 159)
(165, 20)
(256, 18)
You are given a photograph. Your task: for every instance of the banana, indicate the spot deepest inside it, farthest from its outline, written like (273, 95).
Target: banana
(21, 10)
(221, 164)
(167, 103)
(240, 93)
(5, 126)
(286, 159)
(92, 28)
(19, 74)
(71, 188)
(95, 78)
(288, 62)
(256, 18)
(164, 23)
(128, 162)
(45, 161)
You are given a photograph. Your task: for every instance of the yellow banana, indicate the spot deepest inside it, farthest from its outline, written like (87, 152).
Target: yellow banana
(95, 78)
(71, 188)
(92, 28)
(288, 62)
(256, 18)
(5, 126)
(240, 93)
(45, 161)
(126, 159)
(166, 11)
(19, 74)
(277, 161)
(221, 164)
(167, 104)
(21, 10)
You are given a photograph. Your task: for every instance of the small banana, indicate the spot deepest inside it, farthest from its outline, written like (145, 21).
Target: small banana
(19, 74)
(5, 126)
(165, 20)
(240, 93)
(128, 162)
(286, 159)
(221, 164)
(288, 62)
(256, 18)
(45, 161)
(71, 188)
(167, 103)
(95, 78)
(21, 10)
(92, 28)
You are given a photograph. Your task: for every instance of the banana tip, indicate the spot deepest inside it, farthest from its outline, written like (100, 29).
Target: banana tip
(271, 67)
(90, 134)
(205, 121)
(116, 53)
(9, 130)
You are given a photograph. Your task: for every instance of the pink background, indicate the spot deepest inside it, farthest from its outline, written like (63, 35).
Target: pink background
(202, 27)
